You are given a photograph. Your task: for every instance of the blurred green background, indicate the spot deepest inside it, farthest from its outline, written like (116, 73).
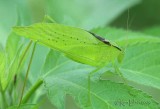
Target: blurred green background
(87, 14)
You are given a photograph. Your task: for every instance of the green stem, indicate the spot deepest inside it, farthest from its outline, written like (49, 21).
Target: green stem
(32, 90)
(27, 73)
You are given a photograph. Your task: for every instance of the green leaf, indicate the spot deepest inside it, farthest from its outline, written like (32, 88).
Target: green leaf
(125, 38)
(141, 63)
(49, 62)
(24, 106)
(37, 64)
(70, 78)
(76, 43)
(155, 31)
(10, 58)
(87, 14)
(2, 67)
(12, 45)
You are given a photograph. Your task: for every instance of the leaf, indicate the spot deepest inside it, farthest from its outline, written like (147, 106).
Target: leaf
(141, 63)
(70, 78)
(37, 64)
(87, 14)
(77, 44)
(2, 67)
(50, 62)
(153, 31)
(125, 38)
(10, 60)
(24, 106)
(12, 45)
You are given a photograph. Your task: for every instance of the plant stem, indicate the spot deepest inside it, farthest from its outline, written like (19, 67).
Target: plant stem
(32, 90)
(27, 73)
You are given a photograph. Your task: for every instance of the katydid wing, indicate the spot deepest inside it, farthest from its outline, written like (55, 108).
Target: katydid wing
(76, 43)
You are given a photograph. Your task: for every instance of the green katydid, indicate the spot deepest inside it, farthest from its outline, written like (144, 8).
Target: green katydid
(78, 44)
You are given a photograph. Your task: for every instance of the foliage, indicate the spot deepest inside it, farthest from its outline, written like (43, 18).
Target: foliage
(54, 78)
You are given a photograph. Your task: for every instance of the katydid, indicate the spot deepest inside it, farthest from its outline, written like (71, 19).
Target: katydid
(77, 44)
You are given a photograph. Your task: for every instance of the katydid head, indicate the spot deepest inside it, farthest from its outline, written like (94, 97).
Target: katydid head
(120, 56)
(120, 53)
(109, 52)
